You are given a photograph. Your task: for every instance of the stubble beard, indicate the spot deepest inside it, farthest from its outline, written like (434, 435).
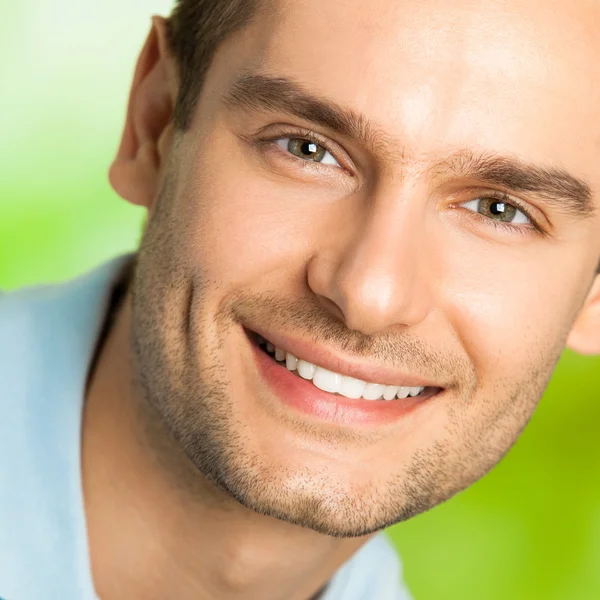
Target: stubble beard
(192, 402)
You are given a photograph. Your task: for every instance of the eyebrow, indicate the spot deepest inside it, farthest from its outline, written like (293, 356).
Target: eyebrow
(258, 92)
(554, 186)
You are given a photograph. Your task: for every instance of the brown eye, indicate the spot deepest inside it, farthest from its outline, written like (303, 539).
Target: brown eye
(498, 210)
(307, 150)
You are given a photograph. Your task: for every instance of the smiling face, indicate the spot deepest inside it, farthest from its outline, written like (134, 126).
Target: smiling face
(396, 191)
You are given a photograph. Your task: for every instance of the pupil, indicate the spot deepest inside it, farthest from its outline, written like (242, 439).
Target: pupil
(309, 148)
(498, 208)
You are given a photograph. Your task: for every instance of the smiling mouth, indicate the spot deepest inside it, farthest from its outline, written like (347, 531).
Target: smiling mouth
(336, 383)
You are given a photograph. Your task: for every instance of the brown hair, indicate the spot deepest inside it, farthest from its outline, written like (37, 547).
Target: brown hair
(196, 28)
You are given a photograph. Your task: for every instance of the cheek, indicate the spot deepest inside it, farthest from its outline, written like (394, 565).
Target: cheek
(511, 306)
(249, 228)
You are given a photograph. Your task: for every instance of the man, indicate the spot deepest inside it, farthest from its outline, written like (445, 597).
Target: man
(372, 229)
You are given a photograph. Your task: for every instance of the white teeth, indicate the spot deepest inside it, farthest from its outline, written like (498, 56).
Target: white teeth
(306, 370)
(373, 391)
(352, 388)
(291, 362)
(327, 381)
(390, 392)
(335, 383)
(403, 392)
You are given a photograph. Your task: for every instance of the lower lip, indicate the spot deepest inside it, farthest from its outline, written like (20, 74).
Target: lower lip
(304, 396)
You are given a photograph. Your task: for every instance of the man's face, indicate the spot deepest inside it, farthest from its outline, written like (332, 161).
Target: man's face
(442, 237)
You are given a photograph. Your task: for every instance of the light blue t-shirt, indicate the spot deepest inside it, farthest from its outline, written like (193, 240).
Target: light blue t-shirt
(47, 339)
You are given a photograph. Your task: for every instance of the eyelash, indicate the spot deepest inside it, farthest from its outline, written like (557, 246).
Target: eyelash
(533, 229)
(305, 135)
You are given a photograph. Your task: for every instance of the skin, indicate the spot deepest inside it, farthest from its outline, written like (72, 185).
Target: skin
(197, 483)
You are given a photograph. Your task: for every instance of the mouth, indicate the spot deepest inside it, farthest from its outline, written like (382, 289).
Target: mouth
(333, 396)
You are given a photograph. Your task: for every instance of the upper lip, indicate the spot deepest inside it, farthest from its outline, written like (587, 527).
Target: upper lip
(359, 368)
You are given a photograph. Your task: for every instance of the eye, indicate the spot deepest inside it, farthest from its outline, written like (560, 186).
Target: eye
(498, 210)
(307, 150)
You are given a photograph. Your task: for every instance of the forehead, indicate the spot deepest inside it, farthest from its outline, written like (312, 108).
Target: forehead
(510, 76)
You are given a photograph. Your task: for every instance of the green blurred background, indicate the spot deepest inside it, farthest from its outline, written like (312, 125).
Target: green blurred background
(529, 530)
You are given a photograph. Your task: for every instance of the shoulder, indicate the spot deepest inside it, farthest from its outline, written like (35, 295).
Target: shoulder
(375, 571)
(47, 337)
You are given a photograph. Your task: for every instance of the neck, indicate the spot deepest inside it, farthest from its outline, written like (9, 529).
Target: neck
(158, 529)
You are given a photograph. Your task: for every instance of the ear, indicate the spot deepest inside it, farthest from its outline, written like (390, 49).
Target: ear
(585, 334)
(134, 174)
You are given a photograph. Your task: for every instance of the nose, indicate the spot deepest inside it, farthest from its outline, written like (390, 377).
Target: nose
(377, 278)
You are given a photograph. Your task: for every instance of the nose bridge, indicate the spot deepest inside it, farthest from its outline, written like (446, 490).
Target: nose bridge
(381, 277)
